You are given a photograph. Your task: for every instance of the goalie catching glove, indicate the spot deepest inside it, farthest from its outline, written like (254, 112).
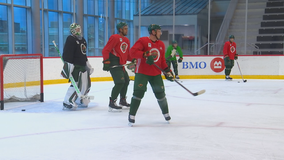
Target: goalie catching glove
(169, 74)
(67, 70)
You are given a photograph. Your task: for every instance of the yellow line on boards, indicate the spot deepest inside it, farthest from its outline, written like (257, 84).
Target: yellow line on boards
(99, 79)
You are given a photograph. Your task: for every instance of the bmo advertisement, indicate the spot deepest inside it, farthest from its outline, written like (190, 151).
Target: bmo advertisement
(263, 67)
(202, 66)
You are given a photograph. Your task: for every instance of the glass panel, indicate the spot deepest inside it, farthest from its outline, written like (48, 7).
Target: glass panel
(101, 7)
(53, 4)
(20, 2)
(91, 7)
(4, 47)
(3, 1)
(67, 5)
(20, 29)
(127, 9)
(53, 32)
(102, 30)
(118, 9)
(91, 36)
(151, 15)
(67, 20)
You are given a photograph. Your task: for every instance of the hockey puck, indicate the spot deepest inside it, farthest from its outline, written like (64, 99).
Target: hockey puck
(245, 80)
(23, 110)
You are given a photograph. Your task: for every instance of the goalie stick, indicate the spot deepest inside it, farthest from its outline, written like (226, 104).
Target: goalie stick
(194, 94)
(85, 99)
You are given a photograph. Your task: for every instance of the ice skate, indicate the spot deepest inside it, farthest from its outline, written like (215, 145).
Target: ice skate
(177, 77)
(167, 117)
(113, 107)
(228, 78)
(131, 120)
(123, 102)
(69, 106)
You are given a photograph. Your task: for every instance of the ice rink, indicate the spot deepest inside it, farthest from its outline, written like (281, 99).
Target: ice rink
(231, 121)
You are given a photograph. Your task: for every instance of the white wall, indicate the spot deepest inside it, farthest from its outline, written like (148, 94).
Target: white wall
(250, 65)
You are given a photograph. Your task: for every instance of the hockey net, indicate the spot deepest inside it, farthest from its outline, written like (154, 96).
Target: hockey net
(21, 78)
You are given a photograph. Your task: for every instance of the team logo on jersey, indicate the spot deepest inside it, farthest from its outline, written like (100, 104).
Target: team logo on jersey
(120, 39)
(83, 49)
(155, 53)
(123, 47)
(233, 49)
(149, 44)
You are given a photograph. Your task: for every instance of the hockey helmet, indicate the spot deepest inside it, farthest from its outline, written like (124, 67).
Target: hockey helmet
(120, 25)
(174, 42)
(153, 27)
(231, 36)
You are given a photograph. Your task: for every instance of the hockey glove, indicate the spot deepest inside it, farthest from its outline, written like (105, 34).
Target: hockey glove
(180, 59)
(106, 66)
(169, 74)
(146, 54)
(169, 57)
(150, 60)
(236, 56)
(149, 57)
(89, 68)
(67, 70)
(132, 65)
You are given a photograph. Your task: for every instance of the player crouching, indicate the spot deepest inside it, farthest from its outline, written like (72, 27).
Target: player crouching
(149, 51)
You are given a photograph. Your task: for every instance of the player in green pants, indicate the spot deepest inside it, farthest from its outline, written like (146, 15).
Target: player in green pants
(171, 57)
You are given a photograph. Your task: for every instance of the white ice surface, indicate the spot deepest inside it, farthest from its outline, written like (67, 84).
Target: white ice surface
(231, 121)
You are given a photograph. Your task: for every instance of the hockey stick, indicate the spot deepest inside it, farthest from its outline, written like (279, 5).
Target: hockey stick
(85, 99)
(244, 80)
(131, 66)
(194, 94)
(122, 65)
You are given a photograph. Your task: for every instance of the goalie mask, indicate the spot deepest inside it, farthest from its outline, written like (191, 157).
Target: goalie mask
(75, 30)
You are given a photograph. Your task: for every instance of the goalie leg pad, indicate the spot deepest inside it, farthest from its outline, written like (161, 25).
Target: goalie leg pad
(67, 70)
(71, 97)
(84, 85)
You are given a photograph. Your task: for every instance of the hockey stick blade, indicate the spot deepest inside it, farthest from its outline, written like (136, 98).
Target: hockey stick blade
(194, 94)
(199, 93)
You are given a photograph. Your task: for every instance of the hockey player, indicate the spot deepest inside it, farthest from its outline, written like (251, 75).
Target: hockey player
(171, 56)
(116, 53)
(149, 51)
(77, 64)
(230, 54)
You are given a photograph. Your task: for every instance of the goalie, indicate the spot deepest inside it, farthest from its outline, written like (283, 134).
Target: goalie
(76, 64)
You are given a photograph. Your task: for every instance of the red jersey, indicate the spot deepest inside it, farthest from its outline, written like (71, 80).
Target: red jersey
(157, 50)
(230, 50)
(118, 46)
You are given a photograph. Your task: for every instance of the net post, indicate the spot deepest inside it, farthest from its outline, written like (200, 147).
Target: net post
(1, 83)
(41, 78)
